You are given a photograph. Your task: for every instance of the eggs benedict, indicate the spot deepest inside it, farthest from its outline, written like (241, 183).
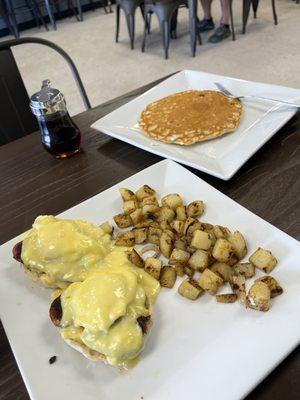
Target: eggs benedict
(108, 314)
(57, 252)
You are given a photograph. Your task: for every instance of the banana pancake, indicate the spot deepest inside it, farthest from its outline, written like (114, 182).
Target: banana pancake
(191, 116)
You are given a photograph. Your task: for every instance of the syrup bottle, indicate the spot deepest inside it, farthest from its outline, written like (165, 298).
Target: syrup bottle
(59, 135)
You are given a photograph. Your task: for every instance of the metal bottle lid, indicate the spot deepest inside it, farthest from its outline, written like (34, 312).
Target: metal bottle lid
(47, 100)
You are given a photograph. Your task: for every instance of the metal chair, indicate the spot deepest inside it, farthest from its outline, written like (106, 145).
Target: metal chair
(246, 10)
(16, 119)
(166, 12)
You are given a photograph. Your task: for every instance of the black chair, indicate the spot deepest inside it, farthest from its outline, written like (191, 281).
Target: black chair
(129, 7)
(246, 10)
(166, 12)
(16, 119)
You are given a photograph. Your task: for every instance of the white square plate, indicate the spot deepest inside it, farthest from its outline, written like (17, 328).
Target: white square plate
(219, 350)
(220, 157)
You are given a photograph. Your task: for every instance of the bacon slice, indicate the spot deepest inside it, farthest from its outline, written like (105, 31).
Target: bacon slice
(17, 250)
(55, 311)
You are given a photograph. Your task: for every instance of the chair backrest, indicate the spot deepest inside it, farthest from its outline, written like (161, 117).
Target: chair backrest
(16, 119)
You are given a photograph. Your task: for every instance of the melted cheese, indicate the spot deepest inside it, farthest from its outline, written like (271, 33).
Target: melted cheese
(63, 250)
(102, 310)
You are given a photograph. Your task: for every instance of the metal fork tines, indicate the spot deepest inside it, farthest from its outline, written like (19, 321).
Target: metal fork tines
(228, 94)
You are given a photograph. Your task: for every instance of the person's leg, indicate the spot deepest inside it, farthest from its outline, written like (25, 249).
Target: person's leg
(207, 22)
(223, 31)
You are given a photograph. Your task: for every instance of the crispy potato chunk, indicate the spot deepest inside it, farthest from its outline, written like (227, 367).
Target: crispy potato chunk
(180, 244)
(154, 235)
(190, 289)
(126, 239)
(134, 257)
(127, 194)
(246, 269)
(140, 235)
(226, 298)
(166, 214)
(129, 206)
(223, 270)
(238, 285)
(179, 270)
(272, 284)
(264, 260)
(172, 201)
(107, 228)
(195, 208)
(180, 257)
(168, 277)
(195, 226)
(136, 216)
(210, 282)
(181, 213)
(259, 296)
(233, 260)
(199, 260)
(189, 271)
(222, 250)
(166, 244)
(221, 232)
(144, 191)
(123, 220)
(149, 200)
(238, 244)
(149, 209)
(178, 226)
(201, 240)
(153, 266)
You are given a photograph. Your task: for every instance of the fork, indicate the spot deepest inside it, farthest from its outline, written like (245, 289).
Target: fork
(228, 94)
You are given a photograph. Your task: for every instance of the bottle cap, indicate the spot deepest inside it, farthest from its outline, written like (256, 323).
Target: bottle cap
(47, 101)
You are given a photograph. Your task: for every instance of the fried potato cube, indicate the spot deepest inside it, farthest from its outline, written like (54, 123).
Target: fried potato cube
(190, 289)
(246, 269)
(223, 270)
(125, 239)
(195, 208)
(264, 260)
(144, 191)
(180, 244)
(172, 201)
(199, 260)
(238, 244)
(129, 206)
(222, 250)
(272, 284)
(238, 285)
(210, 282)
(144, 224)
(134, 257)
(195, 226)
(189, 271)
(123, 220)
(153, 266)
(259, 296)
(166, 244)
(226, 298)
(136, 216)
(168, 277)
(140, 235)
(154, 235)
(181, 213)
(180, 257)
(149, 209)
(127, 194)
(107, 228)
(178, 226)
(166, 214)
(179, 270)
(221, 232)
(232, 260)
(149, 200)
(201, 240)
(206, 227)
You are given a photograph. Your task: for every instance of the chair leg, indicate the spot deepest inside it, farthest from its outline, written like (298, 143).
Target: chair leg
(130, 26)
(12, 18)
(274, 13)
(50, 14)
(79, 8)
(37, 10)
(255, 6)
(145, 32)
(165, 28)
(246, 9)
(173, 27)
(92, 5)
(33, 13)
(148, 20)
(231, 20)
(117, 22)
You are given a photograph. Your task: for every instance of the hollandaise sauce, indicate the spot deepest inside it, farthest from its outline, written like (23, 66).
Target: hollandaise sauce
(102, 311)
(63, 251)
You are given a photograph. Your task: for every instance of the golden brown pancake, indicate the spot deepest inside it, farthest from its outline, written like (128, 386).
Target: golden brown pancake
(189, 117)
